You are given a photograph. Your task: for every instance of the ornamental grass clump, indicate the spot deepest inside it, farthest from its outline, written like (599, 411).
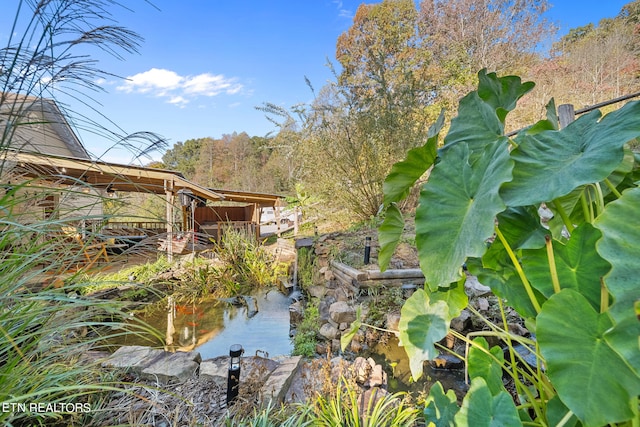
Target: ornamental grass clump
(46, 326)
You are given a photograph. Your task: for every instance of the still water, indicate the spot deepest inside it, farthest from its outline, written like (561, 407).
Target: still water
(211, 326)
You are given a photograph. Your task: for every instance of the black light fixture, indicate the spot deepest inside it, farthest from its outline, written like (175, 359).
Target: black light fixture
(111, 192)
(233, 378)
(185, 196)
(367, 250)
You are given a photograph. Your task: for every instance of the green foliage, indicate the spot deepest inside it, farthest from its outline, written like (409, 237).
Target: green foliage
(306, 265)
(305, 340)
(45, 324)
(381, 302)
(245, 265)
(574, 282)
(144, 274)
(341, 409)
(344, 410)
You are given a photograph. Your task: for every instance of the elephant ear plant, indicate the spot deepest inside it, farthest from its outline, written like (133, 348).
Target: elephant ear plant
(574, 279)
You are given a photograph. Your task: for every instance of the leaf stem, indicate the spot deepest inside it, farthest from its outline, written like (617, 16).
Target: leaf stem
(600, 197)
(518, 267)
(586, 211)
(552, 264)
(604, 297)
(613, 189)
(564, 216)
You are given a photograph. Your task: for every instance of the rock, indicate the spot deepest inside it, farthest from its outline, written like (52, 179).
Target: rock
(324, 309)
(304, 242)
(526, 355)
(321, 348)
(517, 329)
(322, 262)
(461, 322)
(368, 399)
(159, 365)
(355, 346)
(361, 369)
(133, 358)
(336, 346)
(343, 326)
(175, 367)
(316, 291)
(321, 249)
(341, 312)
(329, 331)
(278, 383)
(296, 313)
(328, 275)
(393, 320)
(474, 288)
(447, 361)
(217, 369)
(377, 378)
(483, 304)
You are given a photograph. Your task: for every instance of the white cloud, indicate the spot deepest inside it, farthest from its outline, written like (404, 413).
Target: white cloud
(342, 12)
(179, 89)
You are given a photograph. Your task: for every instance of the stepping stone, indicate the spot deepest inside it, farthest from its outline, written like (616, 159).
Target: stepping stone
(278, 383)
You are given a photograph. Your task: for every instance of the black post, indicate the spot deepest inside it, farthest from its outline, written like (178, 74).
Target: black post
(367, 249)
(233, 379)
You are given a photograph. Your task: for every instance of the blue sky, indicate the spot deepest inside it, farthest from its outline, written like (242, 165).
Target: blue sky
(206, 64)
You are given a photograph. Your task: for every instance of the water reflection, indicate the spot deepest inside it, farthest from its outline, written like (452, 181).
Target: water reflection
(395, 362)
(211, 326)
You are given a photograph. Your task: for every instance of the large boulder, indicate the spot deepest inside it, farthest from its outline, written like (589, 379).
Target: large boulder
(342, 312)
(329, 331)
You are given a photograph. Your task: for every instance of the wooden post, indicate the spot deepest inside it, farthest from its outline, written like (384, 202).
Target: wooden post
(566, 114)
(168, 189)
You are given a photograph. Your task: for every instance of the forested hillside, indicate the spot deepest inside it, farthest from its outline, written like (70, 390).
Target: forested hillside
(396, 68)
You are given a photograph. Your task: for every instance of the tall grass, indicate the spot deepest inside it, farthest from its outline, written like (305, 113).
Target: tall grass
(245, 265)
(47, 327)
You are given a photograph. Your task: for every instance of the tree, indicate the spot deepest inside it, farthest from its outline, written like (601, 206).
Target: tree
(358, 125)
(469, 35)
(183, 156)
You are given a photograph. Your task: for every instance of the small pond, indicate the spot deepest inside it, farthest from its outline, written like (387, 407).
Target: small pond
(211, 326)
(395, 363)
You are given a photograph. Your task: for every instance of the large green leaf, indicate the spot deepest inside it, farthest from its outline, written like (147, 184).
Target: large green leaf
(551, 164)
(589, 375)
(421, 325)
(578, 265)
(502, 93)
(454, 296)
(389, 234)
(521, 227)
(481, 113)
(504, 281)
(404, 174)
(457, 210)
(487, 364)
(440, 408)
(482, 409)
(556, 411)
(619, 245)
